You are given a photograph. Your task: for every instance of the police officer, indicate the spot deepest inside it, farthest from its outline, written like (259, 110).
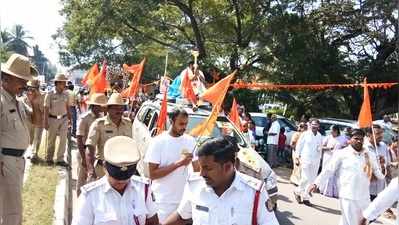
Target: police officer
(14, 136)
(37, 124)
(221, 195)
(102, 129)
(96, 107)
(118, 197)
(56, 117)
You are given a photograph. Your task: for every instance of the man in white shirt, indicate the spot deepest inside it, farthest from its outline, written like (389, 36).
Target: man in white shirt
(353, 166)
(219, 194)
(381, 153)
(249, 136)
(196, 76)
(168, 156)
(272, 142)
(308, 153)
(386, 122)
(383, 201)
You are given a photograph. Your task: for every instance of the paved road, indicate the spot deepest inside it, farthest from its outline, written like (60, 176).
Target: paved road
(324, 212)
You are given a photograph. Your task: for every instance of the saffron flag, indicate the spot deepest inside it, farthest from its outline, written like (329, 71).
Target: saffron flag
(187, 90)
(133, 89)
(234, 115)
(100, 83)
(365, 118)
(90, 75)
(205, 128)
(163, 114)
(213, 93)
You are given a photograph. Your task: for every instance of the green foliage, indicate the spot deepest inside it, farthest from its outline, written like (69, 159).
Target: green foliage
(296, 42)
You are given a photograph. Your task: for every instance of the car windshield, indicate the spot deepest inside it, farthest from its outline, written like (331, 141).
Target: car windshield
(284, 122)
(259, 121)
(223, 127)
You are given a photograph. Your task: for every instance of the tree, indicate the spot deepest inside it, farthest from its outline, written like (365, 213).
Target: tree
(18, 43)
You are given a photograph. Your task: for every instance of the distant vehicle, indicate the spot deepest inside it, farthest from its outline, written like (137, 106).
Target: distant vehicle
(260, 123)
(251, 163)
(327, 123)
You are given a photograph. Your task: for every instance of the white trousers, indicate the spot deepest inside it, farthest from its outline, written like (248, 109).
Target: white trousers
(352, 210)
(164, 210)
(308, 176)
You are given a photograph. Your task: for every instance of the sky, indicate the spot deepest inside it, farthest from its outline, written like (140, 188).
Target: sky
(40, 18)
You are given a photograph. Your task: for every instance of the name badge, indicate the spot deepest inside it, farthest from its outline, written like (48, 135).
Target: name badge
(12, 110)
(109, 132)
(202, 208)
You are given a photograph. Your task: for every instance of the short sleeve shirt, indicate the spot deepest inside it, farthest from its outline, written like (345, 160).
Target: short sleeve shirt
(234, 206)
(99, 203)
(275, 128)
(165, 150)
(84, 124)
(103, 129)
(57, 103)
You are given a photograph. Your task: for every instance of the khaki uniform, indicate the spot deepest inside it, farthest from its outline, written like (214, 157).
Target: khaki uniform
(83, 130)
(100, 131)
(36, 129)
(14, 139)
(58, 123)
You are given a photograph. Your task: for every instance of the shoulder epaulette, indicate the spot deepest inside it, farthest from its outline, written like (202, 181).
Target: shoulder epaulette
(91, 186)
(140, 179)
(251, 181)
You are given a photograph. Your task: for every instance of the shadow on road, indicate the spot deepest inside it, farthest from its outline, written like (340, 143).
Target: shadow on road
(284, 198)
(284, 217)
(326, 210)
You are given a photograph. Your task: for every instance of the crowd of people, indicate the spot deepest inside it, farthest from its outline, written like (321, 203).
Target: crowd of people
(186, 183)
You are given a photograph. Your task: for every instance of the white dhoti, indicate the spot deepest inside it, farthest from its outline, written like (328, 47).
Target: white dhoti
(351, 210)
(308, 176)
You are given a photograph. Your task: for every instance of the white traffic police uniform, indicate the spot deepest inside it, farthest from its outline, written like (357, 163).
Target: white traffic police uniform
(234, 206)
(384, 201)
(99, 203)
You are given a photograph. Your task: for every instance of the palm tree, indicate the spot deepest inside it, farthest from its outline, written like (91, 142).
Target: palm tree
(18, 43)
(4, 38)
(39, 59)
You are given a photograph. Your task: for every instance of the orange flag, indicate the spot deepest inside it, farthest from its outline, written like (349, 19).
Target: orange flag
(187, 90)
(163, 114)
(234, 115)
(90, 75)
(365, 117)
(133, 89)
(213, 93)
(100, 82)
(205, 128)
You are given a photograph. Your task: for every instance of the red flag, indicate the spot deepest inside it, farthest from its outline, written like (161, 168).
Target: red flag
(90, 75)
(100, 82)
(163, 114)
(205, 128)
(234, 115)
(365, 117)
(187, 90)
(133, 89)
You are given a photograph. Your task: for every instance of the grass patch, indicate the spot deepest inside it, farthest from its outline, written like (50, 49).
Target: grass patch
(39, 191)
(38, 195)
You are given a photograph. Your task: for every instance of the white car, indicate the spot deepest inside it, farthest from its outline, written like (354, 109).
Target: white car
(260, 122)
(251, 163)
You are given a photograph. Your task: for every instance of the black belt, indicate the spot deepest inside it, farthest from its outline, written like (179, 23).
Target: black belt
(57, 117)
(13, 152)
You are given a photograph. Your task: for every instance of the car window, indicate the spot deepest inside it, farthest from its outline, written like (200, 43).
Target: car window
(223, 127)
(259, 121)
(286, 123)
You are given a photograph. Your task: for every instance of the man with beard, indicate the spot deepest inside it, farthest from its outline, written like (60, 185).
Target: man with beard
(102, 129)
(168, 156)
(15, 120)
(96, 108)
(219, 194)
(353, 166)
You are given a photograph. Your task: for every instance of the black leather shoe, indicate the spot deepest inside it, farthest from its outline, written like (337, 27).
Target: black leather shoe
(307, 203)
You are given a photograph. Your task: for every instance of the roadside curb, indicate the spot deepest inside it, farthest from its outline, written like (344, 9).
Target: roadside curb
(63, 194)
